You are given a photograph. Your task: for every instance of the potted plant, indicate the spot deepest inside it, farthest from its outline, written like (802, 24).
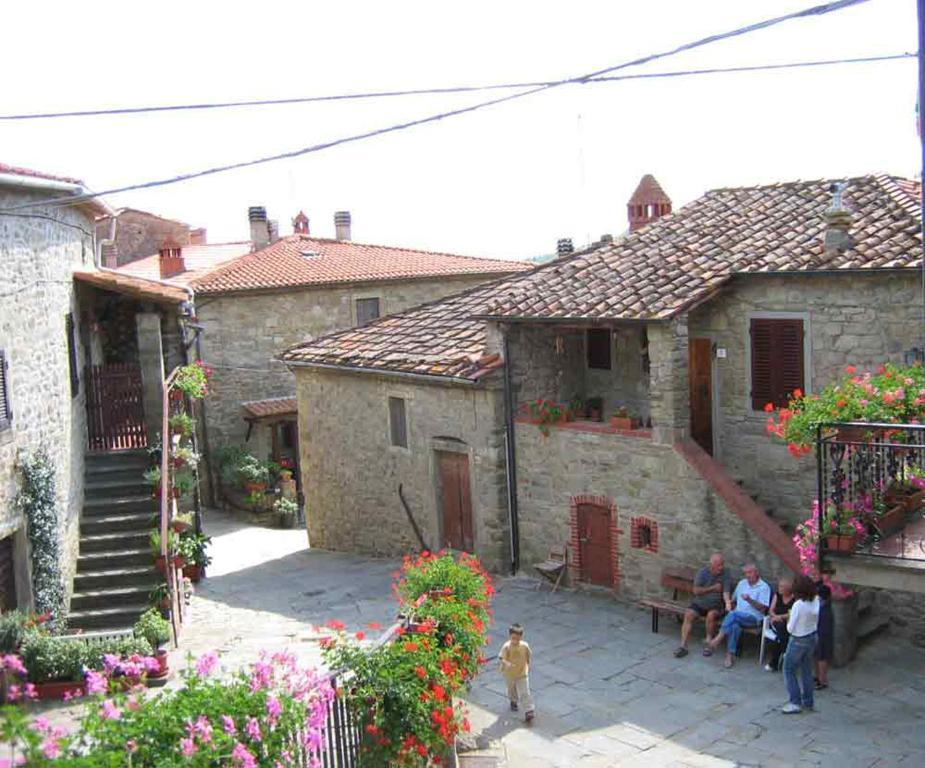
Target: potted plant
(156, 630)
(253, 473)
(886, 516)
(182, 424)
(55, 666)
(192, 548)
(172, 542)
(185, 456)
(286, 466)
(182, 522)
(595, 406)
(285, 512)
(621, 419)
(576, 408)
(184, 481)
(160, 597)
(193, 380)
(545, 413)
(841, 528)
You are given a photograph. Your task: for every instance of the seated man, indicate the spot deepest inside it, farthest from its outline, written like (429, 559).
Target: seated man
(752, 596)
(712, 586)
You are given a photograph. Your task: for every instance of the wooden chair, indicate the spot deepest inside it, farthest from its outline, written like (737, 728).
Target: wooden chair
(554, 567)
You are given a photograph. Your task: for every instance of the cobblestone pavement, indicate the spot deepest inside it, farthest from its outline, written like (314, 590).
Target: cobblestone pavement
(608, 691)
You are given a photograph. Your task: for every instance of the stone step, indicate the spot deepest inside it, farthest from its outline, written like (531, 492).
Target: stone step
(102, 578)
(867, 599)
(109, 487)
(110, 597)
(107, 542)
(127, 521)
(122, 616)
(119, 504)
(118, 558)
(92, 475)
(101, 462)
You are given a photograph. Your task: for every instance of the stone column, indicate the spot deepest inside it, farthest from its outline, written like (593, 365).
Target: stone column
(151, 362)
(669, 388)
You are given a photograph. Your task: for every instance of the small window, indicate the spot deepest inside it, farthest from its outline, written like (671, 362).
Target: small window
(287, 433)
(398, 427)
(6, 407)
(367, 310)
(599, 348)
(777, 361)
(644, 534)
(72, 355)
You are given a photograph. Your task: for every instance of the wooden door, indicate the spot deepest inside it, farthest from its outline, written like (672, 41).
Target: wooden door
(700, 370)
(7, 576)
(455, 500)
(595, 545)
(115, 407)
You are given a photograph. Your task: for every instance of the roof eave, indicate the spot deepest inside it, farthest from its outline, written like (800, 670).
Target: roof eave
(431, 378)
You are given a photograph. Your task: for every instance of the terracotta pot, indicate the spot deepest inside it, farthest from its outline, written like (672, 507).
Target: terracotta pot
(841, 543)
(594, 414)
(255, 487)
(891, 521)
(855, 434)
(54, 690)
(622, 422)
(163, 663)
(180, 525)
(285, 474)
(176, 394)
(193, 573)
(161, 565)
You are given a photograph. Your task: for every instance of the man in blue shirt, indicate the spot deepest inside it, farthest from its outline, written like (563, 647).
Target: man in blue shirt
(752, 597)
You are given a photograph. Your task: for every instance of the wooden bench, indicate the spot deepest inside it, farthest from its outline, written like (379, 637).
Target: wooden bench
(554, 567)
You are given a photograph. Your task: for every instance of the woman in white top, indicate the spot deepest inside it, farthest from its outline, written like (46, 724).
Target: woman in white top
(798, 660)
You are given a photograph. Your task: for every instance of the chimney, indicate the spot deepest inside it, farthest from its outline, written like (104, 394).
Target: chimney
(110, 255)
(260, 234)
(300, 224)
(273, 230)
(197, 236)
(342, 225)
(170, 259)
(648, 203)
(606, 238)
(564, 247)
(838, 237)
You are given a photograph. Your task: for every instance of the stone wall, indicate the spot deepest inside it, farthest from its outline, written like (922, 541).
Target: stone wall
(140, 234)
(244, 332)
(351, 472)
(642, 479)
(862, 320)
(39, 255)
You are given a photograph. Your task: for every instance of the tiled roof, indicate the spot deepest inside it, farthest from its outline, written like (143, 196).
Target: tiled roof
(677, 260)
(648, 191)
(136, 287)
(199, 260)
(301, 260)
(16, 171)
(276, 406)
(653, 273)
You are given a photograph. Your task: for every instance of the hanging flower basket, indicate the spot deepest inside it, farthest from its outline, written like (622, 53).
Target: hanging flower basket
(180, 525)
(160, 562)
(193, 572)
(890, 521)
(842, 543)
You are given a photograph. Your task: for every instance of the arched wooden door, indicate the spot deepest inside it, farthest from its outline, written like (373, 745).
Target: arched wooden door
(595, 545)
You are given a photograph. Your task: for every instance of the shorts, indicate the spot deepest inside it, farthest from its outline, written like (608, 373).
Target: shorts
(702, 612)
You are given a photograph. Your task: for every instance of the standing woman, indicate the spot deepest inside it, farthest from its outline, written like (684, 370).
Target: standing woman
(798, 660)
(778, 615)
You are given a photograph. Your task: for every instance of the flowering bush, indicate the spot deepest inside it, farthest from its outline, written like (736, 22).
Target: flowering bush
(269, 715)
(402, 692)
(546, 412)
(193, 379)
(892, 395)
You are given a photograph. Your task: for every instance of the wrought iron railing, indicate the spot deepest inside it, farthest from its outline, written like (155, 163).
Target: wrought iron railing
(858, 462)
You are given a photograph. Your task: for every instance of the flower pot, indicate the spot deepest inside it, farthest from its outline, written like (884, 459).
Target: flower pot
(285, 475)
(54, 690)
(176, 395)
(162, 663)
(160, 563)
(841, 543)
(179, 526)
(255, 487)
(285, 521)
(193, 572)
(890, 521)
(595, 414)
(915, 500)
(622, 422)
(855, 434)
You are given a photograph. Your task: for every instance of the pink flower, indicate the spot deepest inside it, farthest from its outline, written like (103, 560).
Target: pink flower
(203, 729)
(252, 729)
(206, 664)
(13, 692)
(274, 708)
(242, 757)
(96, 683)
(41, 724)
(77, 693)
(187, 747)
(13, 663)
(51, 748)
(228, 725)
(131, 746)
(110, 711)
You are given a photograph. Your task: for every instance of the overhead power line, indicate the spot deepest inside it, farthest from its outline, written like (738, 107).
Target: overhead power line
(444, 90)
(817, 10)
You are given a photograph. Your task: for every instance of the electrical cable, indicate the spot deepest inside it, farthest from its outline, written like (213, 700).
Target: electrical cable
(444, 90)
(817, 10)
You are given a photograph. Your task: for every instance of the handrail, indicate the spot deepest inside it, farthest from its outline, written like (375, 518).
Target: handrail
(167, 501)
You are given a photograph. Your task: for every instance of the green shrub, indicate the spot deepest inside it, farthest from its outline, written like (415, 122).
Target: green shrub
(153, 627)
(50, 658)
(15, 626)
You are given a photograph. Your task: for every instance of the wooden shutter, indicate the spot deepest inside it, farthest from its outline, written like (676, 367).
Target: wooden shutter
(599, 347)
(72, 355)
(397, 424)
(367, 310)
(6, 407)
(777, 361)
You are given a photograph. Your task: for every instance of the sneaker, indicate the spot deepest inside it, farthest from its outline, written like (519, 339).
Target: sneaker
(769, 668)
(821, 686)
(529, 716)
(680, 652)
(791, 709)
(513, 706)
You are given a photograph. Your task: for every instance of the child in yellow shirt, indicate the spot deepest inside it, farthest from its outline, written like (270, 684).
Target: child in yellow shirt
(515, 666)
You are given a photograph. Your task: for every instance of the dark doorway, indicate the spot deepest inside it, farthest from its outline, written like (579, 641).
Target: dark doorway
(455, 500)
(594, 526)
(701, 392)
(7, 576)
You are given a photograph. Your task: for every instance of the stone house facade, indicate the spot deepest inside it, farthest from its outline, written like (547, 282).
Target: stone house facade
(675, 321)
(131, 234)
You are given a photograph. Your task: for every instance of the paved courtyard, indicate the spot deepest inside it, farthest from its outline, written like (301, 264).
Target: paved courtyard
(608, 691)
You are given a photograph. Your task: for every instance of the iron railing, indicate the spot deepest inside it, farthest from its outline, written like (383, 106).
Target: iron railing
(858, 459)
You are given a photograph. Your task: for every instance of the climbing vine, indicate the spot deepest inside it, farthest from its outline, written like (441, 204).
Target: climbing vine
(37, 502)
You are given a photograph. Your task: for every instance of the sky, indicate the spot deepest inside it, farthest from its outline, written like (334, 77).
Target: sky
(507, 181)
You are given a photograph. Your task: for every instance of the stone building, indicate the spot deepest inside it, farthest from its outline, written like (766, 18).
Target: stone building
(693, 321)
(131, 234)
(275, 292)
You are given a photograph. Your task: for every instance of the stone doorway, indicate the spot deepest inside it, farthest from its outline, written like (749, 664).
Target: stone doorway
(701, 392)
(455, 501)
(594, 541)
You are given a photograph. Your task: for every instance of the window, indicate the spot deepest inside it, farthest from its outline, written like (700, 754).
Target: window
(599, 348)
(644, 534)
(72, 355)
(777, 360)
(6, 408)
(287, 433)
(398, 427)
(367, 310)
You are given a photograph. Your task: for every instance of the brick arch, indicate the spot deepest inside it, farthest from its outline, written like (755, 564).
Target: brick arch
(575, 556)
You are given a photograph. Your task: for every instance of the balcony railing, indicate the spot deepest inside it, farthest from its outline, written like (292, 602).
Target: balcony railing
(862, 469)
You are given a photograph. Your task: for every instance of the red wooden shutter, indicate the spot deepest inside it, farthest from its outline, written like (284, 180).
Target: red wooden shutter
(777, 361)
(6, 408)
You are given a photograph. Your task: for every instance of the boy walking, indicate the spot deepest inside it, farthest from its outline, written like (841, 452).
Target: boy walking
(515, 666)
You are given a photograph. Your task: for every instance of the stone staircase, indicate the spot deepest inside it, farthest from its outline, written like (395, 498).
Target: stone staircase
(115, 571)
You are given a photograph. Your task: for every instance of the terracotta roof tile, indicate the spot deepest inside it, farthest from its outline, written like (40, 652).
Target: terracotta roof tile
(129, 285)
(17, 171)
(652, 274)
(199, 260)
(275, 406)
(648, 191)
(301, 260)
